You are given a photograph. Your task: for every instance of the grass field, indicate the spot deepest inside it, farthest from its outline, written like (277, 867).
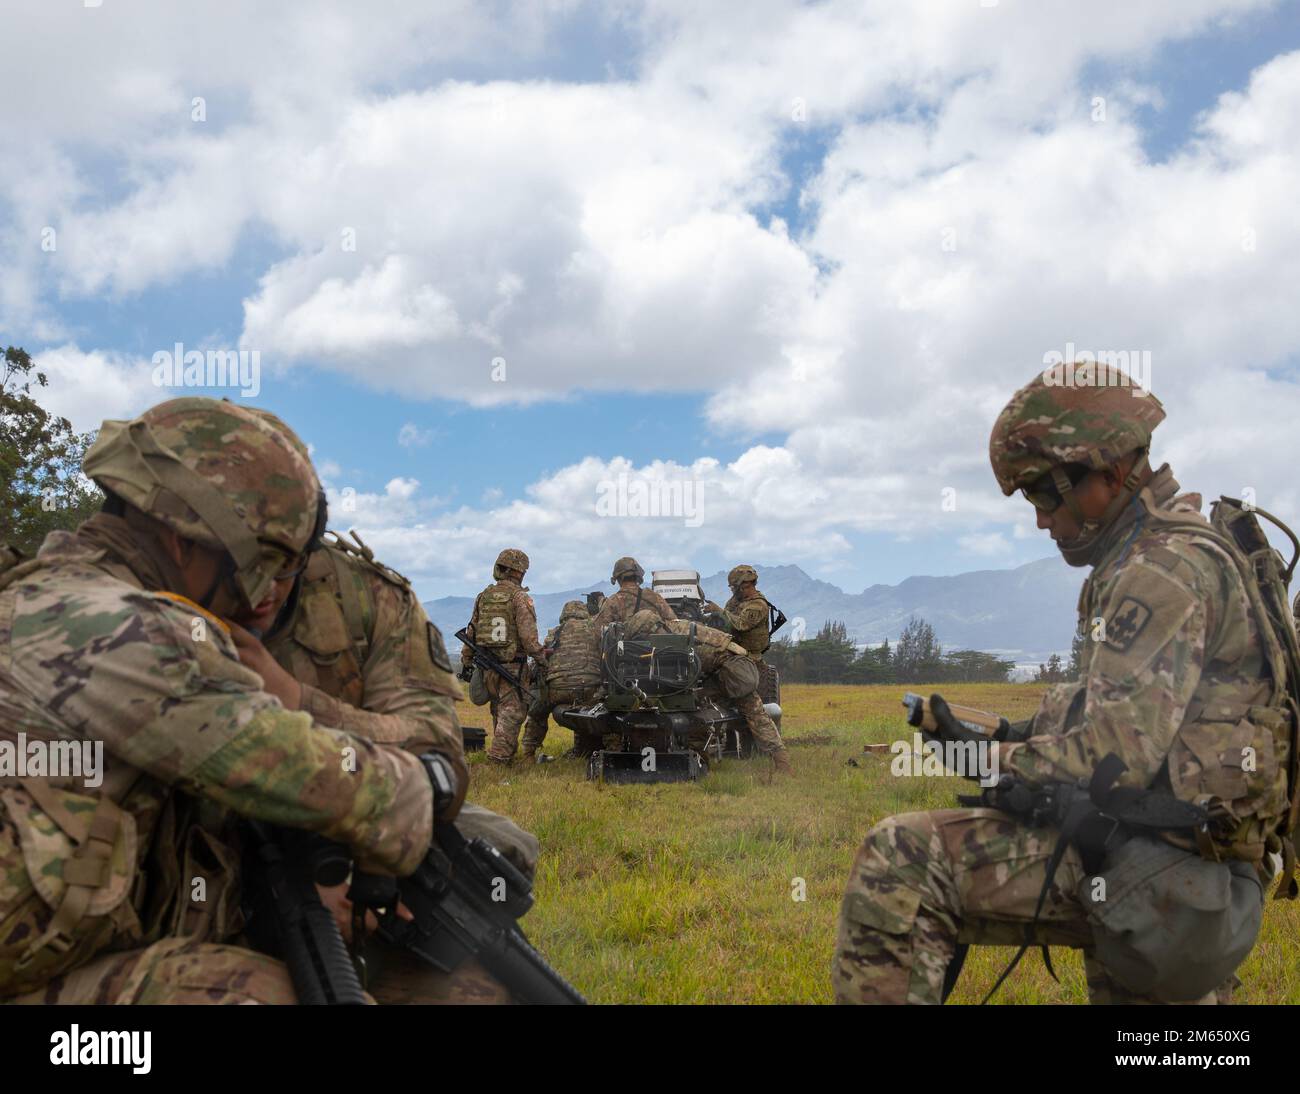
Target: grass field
(682, 893)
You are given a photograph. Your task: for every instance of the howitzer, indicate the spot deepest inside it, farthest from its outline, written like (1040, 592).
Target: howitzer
(465, 899)
(286, 917)
(490, 663)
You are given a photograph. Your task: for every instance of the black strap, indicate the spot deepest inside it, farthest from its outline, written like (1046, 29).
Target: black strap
(637, 606)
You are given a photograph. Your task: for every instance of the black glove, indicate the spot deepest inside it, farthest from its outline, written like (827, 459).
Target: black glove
(466, 671)
(949, 729)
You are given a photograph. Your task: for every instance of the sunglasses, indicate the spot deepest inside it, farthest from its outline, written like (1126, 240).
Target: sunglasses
(1043, 493)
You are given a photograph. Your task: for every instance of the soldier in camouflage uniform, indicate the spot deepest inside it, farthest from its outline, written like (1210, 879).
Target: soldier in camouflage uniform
(1176, 684)
(571, 676)
(631, 597)
(727, 671)
(127, 891)
(748, 617)
(368, 660)
(505, 622)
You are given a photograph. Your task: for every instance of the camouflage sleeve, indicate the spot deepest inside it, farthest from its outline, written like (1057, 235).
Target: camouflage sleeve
(408, 690)
(1139, 680)
(745, 615)
(187, 712)
(665, 611)
(526, 624)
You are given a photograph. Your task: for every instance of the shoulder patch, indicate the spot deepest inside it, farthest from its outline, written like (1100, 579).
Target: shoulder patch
(1129, 621)
(438, 648)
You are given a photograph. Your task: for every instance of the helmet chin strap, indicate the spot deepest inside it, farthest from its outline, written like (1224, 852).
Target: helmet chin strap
(1082, 549)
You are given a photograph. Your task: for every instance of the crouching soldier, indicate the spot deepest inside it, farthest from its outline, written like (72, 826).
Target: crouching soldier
(571, 677)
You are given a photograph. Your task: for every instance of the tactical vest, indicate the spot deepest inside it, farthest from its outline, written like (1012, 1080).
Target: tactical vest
(756, 639)
(115, 868)
(575, 664)
(1254, 811)
(494, 620)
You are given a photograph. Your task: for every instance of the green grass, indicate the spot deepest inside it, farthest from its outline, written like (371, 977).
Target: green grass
(682, 893)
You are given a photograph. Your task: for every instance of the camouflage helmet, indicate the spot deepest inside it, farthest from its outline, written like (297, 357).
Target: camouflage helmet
(626, 567)
(510, 559)
(574, 609)
(220, 474)
(740, 574)
(1055, 420)
(642, 623)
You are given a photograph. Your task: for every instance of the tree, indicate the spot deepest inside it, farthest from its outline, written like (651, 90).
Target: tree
(917, 656)
(1075, 669)
(41, 483)
(1053, 672)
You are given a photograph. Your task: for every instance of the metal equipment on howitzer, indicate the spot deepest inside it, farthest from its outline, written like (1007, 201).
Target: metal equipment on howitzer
(666, 729)
(464, 899)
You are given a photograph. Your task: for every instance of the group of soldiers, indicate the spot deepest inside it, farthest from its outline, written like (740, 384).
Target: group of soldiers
(228, 652)
(566, 667)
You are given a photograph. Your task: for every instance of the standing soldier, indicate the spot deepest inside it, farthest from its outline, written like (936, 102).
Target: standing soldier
(730, 672)
(748, 616)
(1138, 810)
(572, 676)
(505, 623)
(123, 889)
(631, 597)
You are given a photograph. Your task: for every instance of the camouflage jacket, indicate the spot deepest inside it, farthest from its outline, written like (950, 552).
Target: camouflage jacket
(91, 653)
(1174, 677)
(748, 621)
(368, 658)
(620, 607)
(523, 621)
(712, 646)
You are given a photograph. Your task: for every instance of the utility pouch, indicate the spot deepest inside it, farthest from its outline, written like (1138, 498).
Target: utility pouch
(73, 858)
(1169, 924)
(478, 692)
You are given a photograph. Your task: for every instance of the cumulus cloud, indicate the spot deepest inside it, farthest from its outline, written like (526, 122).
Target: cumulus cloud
(495, 237)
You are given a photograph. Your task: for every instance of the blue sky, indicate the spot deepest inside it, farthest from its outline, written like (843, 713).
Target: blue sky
(650, 381)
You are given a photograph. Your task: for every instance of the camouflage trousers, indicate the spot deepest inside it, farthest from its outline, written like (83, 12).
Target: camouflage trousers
(180, 971)
(924, 882)
(539, 717)
(508, 714)
(767, 738)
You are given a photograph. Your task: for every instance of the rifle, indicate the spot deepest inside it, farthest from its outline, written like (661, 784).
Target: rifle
(489, 663)
(286, 917)
(466, 899)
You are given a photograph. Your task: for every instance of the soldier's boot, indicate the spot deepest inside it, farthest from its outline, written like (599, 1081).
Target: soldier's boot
(781, 762)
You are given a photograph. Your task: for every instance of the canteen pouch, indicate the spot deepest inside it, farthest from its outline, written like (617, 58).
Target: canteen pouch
(67, 865)
(478, 692)
(1169, 924)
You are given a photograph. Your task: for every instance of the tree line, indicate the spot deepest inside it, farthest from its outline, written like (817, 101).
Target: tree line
(831, 657)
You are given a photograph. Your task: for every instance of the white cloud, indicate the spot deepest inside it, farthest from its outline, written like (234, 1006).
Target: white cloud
(968, 217)
(412, 436)
(87, 387)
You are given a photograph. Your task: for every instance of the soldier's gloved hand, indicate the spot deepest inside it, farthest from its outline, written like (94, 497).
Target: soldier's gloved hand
(466, 672)
(711, 608)
(950, 729)
(442, 776)
(1018, 731)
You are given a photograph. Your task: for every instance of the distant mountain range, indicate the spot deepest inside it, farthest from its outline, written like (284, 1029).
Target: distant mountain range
(1024, 614)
